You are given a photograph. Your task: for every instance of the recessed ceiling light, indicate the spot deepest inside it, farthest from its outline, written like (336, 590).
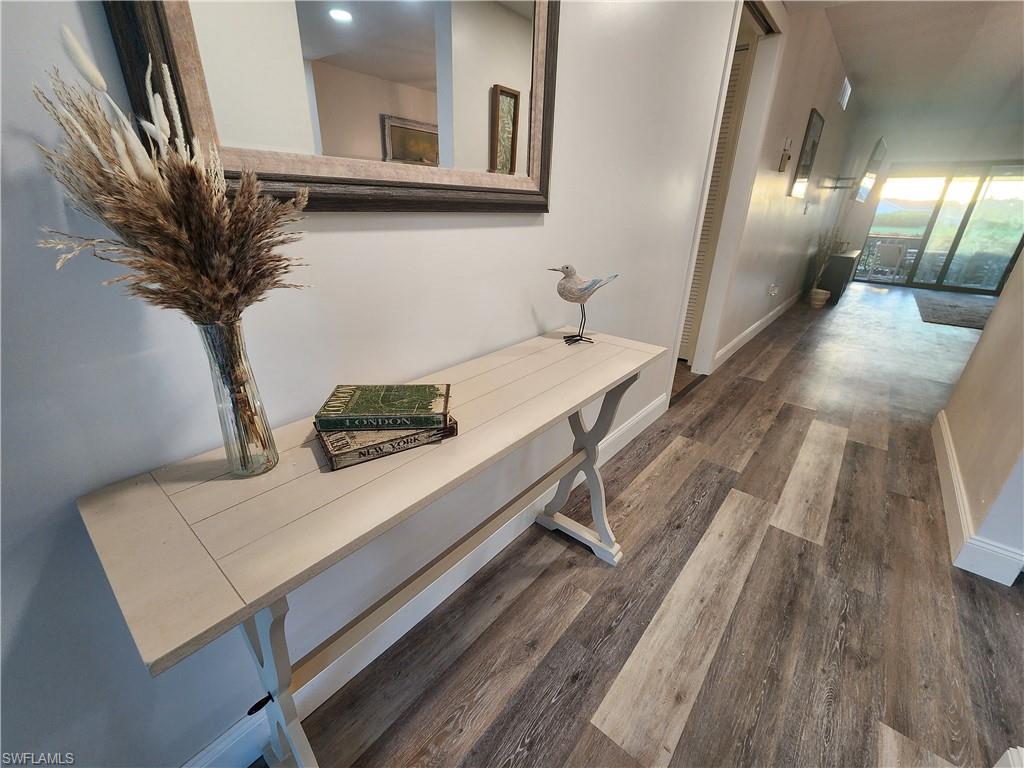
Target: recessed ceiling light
(340, 15)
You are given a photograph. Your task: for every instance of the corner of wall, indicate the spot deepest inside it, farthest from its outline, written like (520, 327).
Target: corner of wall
(969, 550)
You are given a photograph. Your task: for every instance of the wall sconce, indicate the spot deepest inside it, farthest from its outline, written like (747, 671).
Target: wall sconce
(839, 182)
(784, 160)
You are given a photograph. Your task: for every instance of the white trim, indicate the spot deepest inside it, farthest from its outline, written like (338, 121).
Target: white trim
(243, 742)
(959, 526)
(238, 746)
(1012, 758)
(969, 550)
(729, 349)
(619, 437)
(990, 559)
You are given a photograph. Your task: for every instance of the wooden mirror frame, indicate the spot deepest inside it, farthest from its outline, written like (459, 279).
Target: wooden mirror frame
(164, 29)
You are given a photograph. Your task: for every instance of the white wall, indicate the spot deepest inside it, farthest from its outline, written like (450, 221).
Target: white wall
(490, 45)
(1004, 522)
(97, 387)
(985, 412)
(980, 445)
(779, 233)
(350, 105)
(254, 71)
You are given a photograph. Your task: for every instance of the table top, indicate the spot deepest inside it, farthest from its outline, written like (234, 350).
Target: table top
(191, 551)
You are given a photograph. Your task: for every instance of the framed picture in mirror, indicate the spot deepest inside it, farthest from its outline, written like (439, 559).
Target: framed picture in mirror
(370, 104)
(408, 141)
(808, 151)
(504, 128)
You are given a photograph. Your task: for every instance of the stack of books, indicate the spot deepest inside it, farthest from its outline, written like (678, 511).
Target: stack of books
(362, 422)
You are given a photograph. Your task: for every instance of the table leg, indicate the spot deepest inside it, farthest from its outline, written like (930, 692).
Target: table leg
(264, 634)
(602, 541)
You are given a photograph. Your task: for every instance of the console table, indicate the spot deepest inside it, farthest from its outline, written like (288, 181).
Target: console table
(191, 551)
(838, 273)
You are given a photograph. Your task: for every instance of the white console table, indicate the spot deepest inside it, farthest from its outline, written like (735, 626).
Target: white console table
(192, 552)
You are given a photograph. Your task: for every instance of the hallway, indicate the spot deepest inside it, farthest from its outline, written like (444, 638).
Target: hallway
(786, 595)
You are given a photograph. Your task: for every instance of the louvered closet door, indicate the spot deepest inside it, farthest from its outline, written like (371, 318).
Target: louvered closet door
(732, 113)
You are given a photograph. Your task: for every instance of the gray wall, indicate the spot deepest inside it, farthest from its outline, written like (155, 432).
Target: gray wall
(97, 387)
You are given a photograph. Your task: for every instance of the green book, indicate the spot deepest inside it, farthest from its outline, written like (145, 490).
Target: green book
(361, 407)
(344, 449)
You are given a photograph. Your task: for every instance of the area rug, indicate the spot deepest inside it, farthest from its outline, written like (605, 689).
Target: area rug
(962, 309)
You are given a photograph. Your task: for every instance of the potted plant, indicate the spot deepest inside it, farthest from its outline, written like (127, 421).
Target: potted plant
(184, 241)
(828, 243)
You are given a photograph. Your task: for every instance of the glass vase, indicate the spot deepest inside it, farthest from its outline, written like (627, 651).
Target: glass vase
(248, 441)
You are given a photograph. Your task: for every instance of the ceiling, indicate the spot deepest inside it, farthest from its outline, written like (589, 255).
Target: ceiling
(958, 63)
(390, 39)
(386, 39)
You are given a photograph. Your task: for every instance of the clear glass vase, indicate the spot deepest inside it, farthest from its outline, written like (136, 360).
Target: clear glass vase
(248, 441)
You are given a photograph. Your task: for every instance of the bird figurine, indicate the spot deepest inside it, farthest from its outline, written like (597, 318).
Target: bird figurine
(577, 290)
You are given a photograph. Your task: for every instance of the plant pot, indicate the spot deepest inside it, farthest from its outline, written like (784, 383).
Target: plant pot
(248, 441)
(819, 297)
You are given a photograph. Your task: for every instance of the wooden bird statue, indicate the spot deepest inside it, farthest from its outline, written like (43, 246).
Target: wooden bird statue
(577, 290)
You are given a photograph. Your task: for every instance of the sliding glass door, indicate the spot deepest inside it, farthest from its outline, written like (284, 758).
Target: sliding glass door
(957, 199)
(992, 235)
(905, 208)
(960, 232)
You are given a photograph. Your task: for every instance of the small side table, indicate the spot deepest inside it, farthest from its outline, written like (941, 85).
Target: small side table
(838, 274)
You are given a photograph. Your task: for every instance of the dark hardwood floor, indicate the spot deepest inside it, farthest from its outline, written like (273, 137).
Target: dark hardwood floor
(684, 379)
(786, 595)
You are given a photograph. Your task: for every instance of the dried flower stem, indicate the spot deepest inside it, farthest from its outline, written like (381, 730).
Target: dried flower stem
(185, 243)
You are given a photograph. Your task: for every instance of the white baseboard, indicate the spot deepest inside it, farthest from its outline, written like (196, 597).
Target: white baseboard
(729, 349)
(1012, 758)
(237, 747)
(990, 559)
(969, 550)
(241, 744)
(619, 437)
(959, 526)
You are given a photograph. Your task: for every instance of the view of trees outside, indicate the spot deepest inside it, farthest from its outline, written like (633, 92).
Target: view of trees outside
(904, 207)
(992, 233)
(989, 240)
(954, 205)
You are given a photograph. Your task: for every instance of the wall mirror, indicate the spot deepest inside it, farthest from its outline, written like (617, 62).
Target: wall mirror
(871, 171)
(808, 151)
(428, 105)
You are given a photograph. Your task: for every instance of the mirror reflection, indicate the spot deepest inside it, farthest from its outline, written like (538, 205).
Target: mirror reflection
(414, 81)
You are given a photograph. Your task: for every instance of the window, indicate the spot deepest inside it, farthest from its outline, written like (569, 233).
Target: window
(993, 232)
(958, 196)
(961, 231)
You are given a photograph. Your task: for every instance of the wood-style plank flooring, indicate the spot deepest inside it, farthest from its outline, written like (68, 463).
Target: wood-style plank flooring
(786, 595)
(683, 377)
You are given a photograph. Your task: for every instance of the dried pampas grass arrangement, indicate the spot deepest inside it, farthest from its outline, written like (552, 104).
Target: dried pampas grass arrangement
(186, 244)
